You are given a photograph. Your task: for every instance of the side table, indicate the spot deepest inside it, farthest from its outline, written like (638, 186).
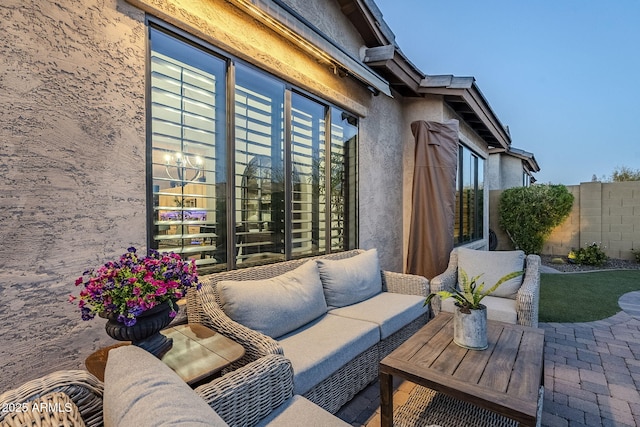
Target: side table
(197, 356)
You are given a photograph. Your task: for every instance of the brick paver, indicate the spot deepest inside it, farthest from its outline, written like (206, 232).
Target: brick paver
(592, 375)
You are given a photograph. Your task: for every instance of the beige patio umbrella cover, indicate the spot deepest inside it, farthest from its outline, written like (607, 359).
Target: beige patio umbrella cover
(434, 196)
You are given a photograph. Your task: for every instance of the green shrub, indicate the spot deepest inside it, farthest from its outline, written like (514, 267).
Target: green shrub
(636, 253)
(528, 214)
(590, 255)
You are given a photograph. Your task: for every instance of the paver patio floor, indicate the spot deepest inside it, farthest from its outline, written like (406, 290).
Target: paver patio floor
(592, 375)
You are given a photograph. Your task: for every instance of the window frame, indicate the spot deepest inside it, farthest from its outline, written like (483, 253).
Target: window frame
(462, 218)
(231, 63)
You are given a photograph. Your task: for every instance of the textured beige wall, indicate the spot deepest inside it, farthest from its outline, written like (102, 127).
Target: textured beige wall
(605, 213)
(327, 16)
(73, 154)
(73, 168)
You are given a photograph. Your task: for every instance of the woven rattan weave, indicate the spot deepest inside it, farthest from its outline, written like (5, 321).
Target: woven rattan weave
(81, 387)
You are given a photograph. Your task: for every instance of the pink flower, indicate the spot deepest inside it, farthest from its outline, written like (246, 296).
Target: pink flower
(131, 285)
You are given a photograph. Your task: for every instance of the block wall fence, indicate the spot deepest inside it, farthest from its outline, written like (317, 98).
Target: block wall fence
(604, 213)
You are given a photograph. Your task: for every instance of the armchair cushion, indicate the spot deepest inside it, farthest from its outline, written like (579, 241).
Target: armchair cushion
(350, 280)
(278, 305)
(299, 411)
(493, 265)
(140, 390)
(498, 308)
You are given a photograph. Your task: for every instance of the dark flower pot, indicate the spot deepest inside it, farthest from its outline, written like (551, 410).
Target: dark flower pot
(146, 331)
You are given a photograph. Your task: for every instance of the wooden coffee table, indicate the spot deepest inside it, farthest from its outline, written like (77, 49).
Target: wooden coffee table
(505, 378)
(197, 356)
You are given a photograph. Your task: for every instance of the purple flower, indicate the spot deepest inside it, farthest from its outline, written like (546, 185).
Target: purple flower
(131, 285)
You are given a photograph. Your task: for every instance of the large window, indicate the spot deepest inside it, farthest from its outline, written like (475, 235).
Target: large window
(243, 168)
(469, 197)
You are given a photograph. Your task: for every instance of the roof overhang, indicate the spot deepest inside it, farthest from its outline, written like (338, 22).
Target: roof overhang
(460, 93)
(385, 57)
(464, 97)
(528, 159)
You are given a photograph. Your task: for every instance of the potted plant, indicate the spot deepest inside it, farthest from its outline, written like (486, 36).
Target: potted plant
(137, 295)
(470, 317)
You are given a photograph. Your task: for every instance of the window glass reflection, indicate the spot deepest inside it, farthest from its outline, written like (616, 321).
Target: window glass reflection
(187, 150)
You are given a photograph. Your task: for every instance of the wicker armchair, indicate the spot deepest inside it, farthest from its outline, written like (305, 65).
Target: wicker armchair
(527, 299)
(84, 389)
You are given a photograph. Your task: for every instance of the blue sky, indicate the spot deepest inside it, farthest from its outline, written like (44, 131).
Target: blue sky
(564, 75)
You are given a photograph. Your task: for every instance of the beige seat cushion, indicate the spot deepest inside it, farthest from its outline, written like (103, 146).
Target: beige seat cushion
(493, 265)
(299, 411)
(498, 308)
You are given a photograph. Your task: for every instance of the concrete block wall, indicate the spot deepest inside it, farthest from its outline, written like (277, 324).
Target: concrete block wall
(562, 239)
(620, 218)
(605, 213)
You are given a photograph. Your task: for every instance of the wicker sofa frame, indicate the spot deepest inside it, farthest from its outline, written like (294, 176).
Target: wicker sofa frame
(343, 384)
(84, 389)
(527, 299)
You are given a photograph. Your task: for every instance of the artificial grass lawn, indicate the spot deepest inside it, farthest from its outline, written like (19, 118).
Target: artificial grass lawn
(584, 297)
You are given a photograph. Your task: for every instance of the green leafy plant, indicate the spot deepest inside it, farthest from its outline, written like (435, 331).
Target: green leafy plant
(636, 254)
(529, 214)
(469, 297)
(589, 255)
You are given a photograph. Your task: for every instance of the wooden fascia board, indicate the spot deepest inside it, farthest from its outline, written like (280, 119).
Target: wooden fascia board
(364, 21)
(387, 58)
(488, 117)
(481, 110)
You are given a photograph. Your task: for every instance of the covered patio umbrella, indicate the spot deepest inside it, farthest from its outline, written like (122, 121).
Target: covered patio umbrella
(434, 196)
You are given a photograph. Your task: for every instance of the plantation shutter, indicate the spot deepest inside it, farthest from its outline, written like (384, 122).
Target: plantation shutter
(188, 146)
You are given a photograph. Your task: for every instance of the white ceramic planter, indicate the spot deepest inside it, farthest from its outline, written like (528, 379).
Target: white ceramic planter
(470, 330)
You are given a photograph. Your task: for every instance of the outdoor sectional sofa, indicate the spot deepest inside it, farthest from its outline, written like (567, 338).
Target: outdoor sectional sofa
(334, 317)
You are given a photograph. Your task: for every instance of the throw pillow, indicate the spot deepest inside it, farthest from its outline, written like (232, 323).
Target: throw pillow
(278, 305)
(53, 409)
(350, 280)
(493, 265)
(140, 390)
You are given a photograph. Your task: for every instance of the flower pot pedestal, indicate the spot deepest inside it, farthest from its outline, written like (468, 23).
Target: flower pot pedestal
(470, 329)
(145, 333)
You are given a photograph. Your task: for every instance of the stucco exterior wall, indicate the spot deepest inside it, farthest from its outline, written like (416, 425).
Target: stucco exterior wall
(73, 170)
(494, 181)
(381, 182)
(73, 154)
(327, 16)
(605, 213)
(512, 171)
(505, 171)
